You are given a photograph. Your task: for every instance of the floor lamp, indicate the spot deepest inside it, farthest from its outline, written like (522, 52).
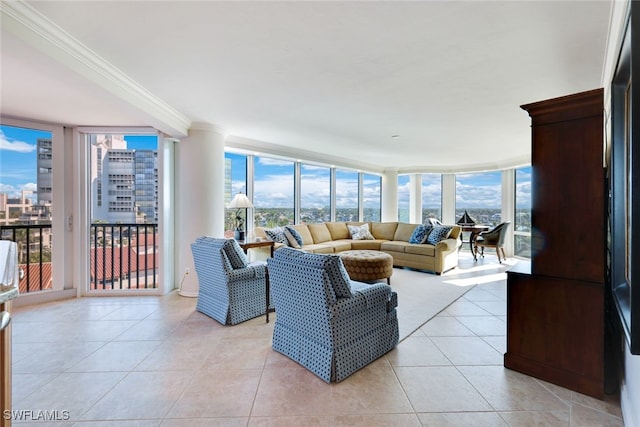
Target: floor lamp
(239, 202)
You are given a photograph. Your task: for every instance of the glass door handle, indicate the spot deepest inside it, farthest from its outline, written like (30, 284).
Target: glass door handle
(5, 318)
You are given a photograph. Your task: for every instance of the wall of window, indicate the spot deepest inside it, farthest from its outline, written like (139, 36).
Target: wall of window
(522, 215)
(235, 181)
(315, 194)
(346, 195)
(273, 192)
(480, 194)
(403, 197)
(431, 196)
(371, 197)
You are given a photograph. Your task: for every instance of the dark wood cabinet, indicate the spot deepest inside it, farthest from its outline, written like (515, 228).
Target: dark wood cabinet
(556, 305)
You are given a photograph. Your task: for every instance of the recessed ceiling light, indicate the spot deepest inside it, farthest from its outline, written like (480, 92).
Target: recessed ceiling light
(395, 136)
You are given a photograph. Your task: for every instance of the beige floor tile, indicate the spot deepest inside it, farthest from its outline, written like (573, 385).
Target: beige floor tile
(479, 294)
(460, 419)
(149, 330)
(583, 416)
(536, 418)
(33, 358)
(25, 384)
(464, 307)
(132, 312)
(372, 389)
(497, 308)
(507, 390)
(219, 393)
(205, 422)
(610, 404)
(417, 351)
(72, 392)
(377, 420)
(284, 421)
(179, 355)
(140, 395)
(497, 342)
(239, 353)
(468, 351)
(440, 389)
(445, 326)
(122, 356)
(125, 423)
(484, 325)
(291, 391)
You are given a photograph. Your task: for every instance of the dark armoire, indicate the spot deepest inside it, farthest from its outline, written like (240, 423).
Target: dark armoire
(556, 303)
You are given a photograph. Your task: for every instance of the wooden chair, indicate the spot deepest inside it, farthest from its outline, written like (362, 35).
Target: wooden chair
(492, 239)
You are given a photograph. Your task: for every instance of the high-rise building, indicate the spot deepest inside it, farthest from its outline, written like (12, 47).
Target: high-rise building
(124, 181)
(44, 171)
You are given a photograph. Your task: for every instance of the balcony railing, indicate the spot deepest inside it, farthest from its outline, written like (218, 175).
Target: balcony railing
(122, 256)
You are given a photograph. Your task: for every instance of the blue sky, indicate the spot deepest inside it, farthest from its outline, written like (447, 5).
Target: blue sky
(18, 157)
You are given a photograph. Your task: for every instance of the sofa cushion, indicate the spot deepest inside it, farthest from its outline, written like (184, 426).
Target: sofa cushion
(393, 246)
(420, 249)
(360, 232)
(420, 234)
(373, 245)
(338, 230)
(332, 264)
(320, 248)
(276, 234)
(384, 230)
(340, 245)
(319, 232)
(404, 231)
(439, 232)
(303, 231)
(291, 239)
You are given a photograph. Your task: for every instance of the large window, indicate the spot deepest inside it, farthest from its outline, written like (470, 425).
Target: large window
(431, 196)
(371, 199)
(26, 200)
(235, 181)
(315, 194)
(273, 186)
(403, 197)
(522, 215)
(346, 195)
(480, 194)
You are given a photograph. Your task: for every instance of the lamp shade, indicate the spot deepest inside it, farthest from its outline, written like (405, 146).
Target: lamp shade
(240, 201)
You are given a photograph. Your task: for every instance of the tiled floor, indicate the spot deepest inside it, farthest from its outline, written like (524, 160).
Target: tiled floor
(154, 361)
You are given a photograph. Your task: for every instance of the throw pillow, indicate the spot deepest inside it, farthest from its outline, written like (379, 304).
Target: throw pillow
(420, 233)
(277, 235)
(295, 234)
(360, 232)
(438, 233)
(291, 239)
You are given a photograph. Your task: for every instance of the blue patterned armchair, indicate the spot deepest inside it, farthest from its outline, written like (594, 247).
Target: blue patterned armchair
(329, 324)
(231, 290)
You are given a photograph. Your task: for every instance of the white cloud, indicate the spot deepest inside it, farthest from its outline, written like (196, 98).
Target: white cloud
(13, 145)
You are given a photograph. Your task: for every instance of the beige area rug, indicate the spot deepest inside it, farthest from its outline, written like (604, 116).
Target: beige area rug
(422, 295)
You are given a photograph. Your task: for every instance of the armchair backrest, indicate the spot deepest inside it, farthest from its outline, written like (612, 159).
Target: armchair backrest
(225, 252)
(321, 277)
(497, 234)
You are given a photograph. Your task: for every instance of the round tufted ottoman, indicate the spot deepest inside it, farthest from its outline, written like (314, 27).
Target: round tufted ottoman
(367, 266)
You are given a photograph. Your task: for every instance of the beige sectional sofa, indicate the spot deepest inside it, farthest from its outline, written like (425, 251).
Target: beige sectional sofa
(389, 237)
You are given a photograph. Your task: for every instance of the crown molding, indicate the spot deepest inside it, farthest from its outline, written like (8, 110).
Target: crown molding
(28, 24)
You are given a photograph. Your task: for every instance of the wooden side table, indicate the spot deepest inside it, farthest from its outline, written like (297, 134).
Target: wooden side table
(474, 230)
(263, 243)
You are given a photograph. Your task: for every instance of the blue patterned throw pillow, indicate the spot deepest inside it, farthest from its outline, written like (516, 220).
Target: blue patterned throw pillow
(277, 235)
(420, 233)
(438, 233)
(294, 233)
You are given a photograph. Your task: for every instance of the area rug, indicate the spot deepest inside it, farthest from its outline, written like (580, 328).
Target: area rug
(422, 296)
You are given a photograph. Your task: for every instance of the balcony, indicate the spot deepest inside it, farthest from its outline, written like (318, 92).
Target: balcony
(122, 256)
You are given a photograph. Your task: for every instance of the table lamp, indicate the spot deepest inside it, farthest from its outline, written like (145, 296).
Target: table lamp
(239, 202)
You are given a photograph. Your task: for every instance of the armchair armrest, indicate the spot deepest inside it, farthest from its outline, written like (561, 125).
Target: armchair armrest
(364, 297)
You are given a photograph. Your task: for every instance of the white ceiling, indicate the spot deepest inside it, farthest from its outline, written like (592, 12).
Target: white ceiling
(329, 80)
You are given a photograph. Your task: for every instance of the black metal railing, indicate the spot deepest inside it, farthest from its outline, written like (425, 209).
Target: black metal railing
(34, 254)
(124, 256)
